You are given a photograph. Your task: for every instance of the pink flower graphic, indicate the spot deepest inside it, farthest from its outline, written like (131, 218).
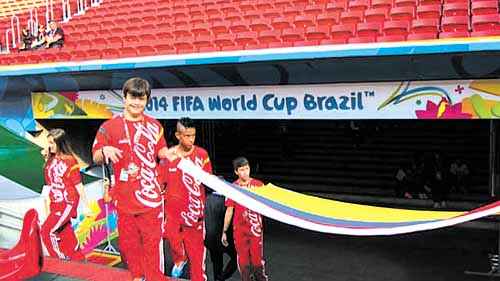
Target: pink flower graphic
(443, 110)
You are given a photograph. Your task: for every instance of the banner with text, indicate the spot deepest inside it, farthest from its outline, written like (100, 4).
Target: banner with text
(389, 100)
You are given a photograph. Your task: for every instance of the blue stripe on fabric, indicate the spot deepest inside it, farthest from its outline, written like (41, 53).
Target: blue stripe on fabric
(322, 219)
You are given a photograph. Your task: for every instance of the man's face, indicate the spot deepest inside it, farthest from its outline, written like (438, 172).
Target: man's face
(243, 172)
(186, 137)
(135, 105)
(52, 145)
(53, 25)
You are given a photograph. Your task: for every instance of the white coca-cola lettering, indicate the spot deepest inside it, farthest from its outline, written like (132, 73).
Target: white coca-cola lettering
(255, 222)
(149, 194)
(56, 173)
(195, 204)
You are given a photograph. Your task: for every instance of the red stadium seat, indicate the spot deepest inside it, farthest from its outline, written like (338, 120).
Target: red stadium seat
(246, 38)
(336, 7)
(376, 15)
(83, 44)
(281, 23)
(203, 41)
(239, 26)
(343, 31)
(146, 51)
(485, 22)
(339, 40)
(269, 36)
(485, 33)
(220, 28)
(292, 35)
(429, 12)
(405, 3)
(314, 9)
(391, 38)
(366, 39)
(369, 29)
(425, 26)
(351, 17)
(402, 14)
(459, 23)
(318, 33)
(358, 5)
(454, 34)
(292, 12)
(110, 54)
(386, 4)
(164, 49)
(224, 40)
(128, 52)
(259, 25)
(201, 29)
(304, 21)
(328, 19)
(484, 8)
(456, 9)
(421, 36)
(395, 28)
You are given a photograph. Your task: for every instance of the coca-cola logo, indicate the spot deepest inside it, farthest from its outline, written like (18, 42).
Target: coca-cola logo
(149, 194)
(255, 221)
(195, 204)
(56, 173)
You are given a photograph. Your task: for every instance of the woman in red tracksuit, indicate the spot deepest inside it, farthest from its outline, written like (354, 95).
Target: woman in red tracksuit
(64, 188)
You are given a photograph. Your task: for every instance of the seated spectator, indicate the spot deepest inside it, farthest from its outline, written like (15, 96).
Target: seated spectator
(55, 36)
(40, 39)
(26, 40)
(435, 175)
(459, 174)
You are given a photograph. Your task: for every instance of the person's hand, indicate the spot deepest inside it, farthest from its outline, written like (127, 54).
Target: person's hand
(111, 153)
(224, 239)
(106, 197)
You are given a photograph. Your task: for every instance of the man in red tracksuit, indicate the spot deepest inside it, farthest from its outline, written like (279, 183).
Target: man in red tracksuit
(185, 203)
(133, 142)
(247, 227)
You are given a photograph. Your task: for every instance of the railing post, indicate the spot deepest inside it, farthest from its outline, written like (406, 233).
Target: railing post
(7, 43)
(13, 30)
(49, 11)
(66, 7)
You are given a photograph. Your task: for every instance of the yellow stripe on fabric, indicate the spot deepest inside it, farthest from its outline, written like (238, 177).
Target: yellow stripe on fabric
(347, 211)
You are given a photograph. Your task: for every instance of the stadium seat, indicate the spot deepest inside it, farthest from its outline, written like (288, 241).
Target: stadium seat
(484, 8)
(259, 25)
(456, 9)
(399, 28)
(421, 36)
(402, 13)
(246, 38)
(376, 15)
(366, 39)
(281, 23)
(343, 32)
(328, 19)
(304, 21)
(269, 36)
(318, 33)
(484, 33)
(391, 38)
(351, 17)
(369, 29)
(454, 34)
(485, 22)
(358, 5)
(429, 12)
(292, 35)
(314, 9)
(386, 4)
(405, 3)
(425, 26)
(457, 23)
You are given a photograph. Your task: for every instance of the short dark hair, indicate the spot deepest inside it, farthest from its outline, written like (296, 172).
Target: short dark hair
(137, 87)
(240, 162)
(187, 122)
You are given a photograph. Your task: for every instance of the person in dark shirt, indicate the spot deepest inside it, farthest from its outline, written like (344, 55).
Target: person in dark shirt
(26, 40)
(55, 36)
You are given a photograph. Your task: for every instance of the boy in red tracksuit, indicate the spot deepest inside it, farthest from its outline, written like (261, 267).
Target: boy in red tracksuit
(63, 187)
(185, 203)
(133, 142)
(247, 227)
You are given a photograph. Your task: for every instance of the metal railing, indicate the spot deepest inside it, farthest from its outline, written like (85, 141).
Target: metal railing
(49, 11)
(15, 31)
(33, 22)
(66, 9)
